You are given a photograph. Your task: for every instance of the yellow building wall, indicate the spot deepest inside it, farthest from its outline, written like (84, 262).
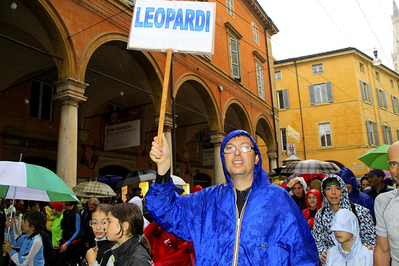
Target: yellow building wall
(347, 114)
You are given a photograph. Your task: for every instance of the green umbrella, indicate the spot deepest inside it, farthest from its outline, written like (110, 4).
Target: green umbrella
(25, 181)
(376, 157)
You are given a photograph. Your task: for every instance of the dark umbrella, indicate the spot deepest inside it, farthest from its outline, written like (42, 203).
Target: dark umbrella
(137, 176)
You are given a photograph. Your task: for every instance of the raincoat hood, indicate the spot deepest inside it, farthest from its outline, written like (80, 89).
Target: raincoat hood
(344, 202)
(349, 178)
(318, 196)
(344, 220)
(304, 185)
(258, 166)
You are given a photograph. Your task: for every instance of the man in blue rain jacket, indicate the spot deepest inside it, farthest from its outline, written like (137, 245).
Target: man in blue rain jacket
(247, 221)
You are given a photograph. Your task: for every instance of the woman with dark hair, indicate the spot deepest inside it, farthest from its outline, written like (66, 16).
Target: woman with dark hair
(70, 224)
(30, 244)
(125, 226)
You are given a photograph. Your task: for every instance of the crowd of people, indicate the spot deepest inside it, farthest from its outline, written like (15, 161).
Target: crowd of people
(245, 221)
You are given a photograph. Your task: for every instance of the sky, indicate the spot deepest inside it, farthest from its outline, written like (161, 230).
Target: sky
(314, 26)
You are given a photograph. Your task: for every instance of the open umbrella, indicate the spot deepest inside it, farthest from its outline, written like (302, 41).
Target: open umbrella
(137, 176)
(93, 189)
(311, 167)
(376, 157)
(25, 181)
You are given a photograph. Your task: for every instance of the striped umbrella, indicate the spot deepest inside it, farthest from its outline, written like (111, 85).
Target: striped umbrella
(93, 189)
(311, 167)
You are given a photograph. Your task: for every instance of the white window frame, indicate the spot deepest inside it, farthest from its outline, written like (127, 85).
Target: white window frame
(39, 99)
(325, 135)
(256, 33)
(317, 69)
(230, 7)
(372, 133)
(321, 93)
(366, 91)
(277, 75)
(260, 80)
(283, 137)
(377, 75)
(283, 99)
(387, 133)
(382, 98)
(361, 67)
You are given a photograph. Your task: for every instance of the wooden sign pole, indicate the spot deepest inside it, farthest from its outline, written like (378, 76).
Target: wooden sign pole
(164, 96)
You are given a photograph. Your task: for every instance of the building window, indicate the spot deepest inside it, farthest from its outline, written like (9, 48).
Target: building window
(41, 100)
(392, 83)
(377, 75)
(283, 100)
(256, 33)
(260, 80)
(372, 133)
(317, 69)
(386, 131)
(397, 133)
(361, 67)
(366, 92)
(325, 135)
(283, 133)
(277, 75)
(321, 93)
(382, 99)
(235, 58)
(395, 104)
(230, 7)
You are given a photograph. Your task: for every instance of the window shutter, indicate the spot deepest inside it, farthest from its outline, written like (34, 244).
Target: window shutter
(379, 98)
(235, 58)
(311, 94)
(397, 133)
(363, 89)
(369, 132)
(377, 140)
(384, 133)
(390, 135)
(330, 97)
(369, 89)
(395, 108)
(286, 99)
(385, 99)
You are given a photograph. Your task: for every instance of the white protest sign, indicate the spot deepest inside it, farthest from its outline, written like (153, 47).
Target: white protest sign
(183, 26)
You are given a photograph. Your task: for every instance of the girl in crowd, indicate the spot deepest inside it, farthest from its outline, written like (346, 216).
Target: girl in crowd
(30, 244)
(101, 254)
(313, 200)
(125, 226)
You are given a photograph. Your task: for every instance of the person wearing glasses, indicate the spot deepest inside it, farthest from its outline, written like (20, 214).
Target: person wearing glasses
(386, 209)
(246, 221)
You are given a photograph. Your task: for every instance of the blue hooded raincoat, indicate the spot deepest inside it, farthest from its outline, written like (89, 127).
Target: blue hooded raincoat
(356, 196)
(271, 230)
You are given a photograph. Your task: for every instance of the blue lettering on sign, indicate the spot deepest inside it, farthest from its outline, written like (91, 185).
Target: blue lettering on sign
(159, 22)
(148, 16)
(170, 16)
(191, 20)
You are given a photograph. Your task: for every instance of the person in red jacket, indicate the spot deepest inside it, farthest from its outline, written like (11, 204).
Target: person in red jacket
(314, 201)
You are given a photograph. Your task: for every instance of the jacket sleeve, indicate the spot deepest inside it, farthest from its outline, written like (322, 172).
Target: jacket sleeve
(319, 232)
(173, 212)
(367, 228)
(28, 260)
(77, 229)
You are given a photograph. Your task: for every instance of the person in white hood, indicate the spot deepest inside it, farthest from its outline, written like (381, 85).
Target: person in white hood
(348, 249)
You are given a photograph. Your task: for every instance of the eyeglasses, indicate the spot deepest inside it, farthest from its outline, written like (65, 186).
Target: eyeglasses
(95, 223)
(242, 149)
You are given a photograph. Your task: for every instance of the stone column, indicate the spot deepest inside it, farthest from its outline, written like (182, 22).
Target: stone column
(216, 140)
(70, 94)
(167, 129)
(272, 154)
